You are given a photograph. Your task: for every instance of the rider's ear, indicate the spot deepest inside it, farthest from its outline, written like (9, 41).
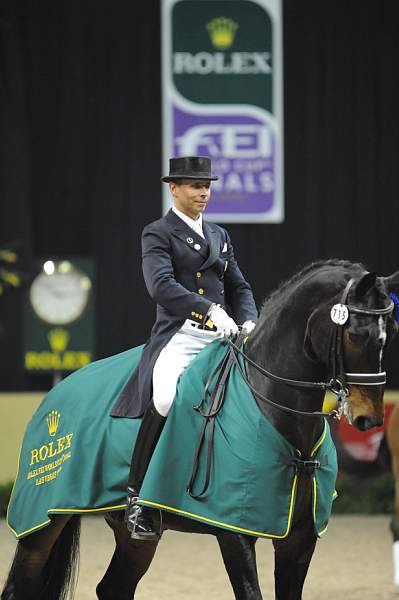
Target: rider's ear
(365, 284)
(307, 342)
(392, 283)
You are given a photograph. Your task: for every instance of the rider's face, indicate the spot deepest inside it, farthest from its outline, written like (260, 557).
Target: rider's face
(191, 196)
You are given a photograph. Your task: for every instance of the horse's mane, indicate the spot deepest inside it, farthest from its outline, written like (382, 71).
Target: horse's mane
(285, 288)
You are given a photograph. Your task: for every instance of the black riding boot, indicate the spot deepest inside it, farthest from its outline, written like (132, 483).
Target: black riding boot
(138, 519)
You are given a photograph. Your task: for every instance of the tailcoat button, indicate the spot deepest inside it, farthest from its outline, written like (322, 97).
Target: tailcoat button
(198, 275)
(201, 291)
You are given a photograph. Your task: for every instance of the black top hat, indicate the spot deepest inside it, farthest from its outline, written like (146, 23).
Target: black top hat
(189, 167)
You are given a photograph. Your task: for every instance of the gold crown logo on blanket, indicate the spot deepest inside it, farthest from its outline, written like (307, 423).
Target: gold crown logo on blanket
(53, 418)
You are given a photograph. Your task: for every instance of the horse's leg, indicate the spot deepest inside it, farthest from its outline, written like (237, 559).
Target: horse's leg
(31, 576)
(129, 563)
(239, 557)
(292, 558)
(393, 443)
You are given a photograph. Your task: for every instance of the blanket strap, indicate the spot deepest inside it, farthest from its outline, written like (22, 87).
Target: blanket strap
(217, 397)
(305, 466)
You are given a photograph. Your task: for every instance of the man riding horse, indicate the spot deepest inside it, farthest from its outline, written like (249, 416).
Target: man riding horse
(190, 271)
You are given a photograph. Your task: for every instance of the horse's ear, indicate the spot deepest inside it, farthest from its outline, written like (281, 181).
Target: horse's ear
(365, 284)
(392, 283)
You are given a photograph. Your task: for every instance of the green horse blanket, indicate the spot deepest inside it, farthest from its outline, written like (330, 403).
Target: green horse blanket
(75, 458)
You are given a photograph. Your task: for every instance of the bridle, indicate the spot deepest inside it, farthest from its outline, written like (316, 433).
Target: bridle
(340, 378)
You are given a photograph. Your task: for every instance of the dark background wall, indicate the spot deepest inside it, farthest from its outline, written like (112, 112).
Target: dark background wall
(80, 150)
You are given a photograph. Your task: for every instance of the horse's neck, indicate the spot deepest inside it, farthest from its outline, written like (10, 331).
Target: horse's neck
(287, 359)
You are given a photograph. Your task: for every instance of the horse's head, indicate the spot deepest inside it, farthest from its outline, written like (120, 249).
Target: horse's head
(353, 350)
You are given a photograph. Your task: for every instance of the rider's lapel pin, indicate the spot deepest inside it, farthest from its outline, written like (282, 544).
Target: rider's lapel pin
(189, 240)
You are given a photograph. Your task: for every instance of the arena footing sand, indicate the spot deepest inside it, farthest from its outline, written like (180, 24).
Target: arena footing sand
(352, 560)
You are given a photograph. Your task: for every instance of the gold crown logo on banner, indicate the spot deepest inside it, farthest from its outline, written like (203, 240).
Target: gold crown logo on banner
(53, 418)
(58, 339)
(222, 32)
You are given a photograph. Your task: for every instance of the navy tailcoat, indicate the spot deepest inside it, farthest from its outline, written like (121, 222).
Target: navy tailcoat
(184, 274)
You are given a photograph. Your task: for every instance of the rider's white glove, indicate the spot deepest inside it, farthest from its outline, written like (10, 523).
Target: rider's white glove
(247, 327)
(222, 321)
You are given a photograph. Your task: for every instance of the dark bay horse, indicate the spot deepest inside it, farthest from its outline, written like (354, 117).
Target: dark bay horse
(325, 328)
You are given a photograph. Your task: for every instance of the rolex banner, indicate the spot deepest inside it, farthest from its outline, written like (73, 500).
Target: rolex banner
(222, 97)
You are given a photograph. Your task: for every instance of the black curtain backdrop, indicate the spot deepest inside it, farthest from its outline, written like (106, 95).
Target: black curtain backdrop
(80, 151)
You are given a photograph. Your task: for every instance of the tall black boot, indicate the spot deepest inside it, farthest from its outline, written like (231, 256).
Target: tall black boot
(138, 519)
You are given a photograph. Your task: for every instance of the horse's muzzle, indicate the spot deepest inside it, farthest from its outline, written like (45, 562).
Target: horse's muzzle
(364, 423)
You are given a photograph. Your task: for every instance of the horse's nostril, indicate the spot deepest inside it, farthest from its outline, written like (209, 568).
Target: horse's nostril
(364, 423)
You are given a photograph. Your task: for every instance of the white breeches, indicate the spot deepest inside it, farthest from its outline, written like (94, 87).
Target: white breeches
(173, 359)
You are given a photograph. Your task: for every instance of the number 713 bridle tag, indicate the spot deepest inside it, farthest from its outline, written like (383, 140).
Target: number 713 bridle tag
(339, 314)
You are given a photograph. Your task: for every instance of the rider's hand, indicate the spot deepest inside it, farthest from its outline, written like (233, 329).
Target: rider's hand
(222, 321)
(247, 327)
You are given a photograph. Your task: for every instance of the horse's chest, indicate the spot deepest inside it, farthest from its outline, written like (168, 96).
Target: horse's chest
(304, 498)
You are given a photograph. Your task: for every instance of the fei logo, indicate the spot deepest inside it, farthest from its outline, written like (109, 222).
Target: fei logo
(222, 97)
(228, 141)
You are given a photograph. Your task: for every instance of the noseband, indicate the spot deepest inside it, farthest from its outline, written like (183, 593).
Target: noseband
(340, 315)
(340, 378)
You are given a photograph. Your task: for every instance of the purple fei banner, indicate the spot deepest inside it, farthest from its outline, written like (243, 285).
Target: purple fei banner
(222, 97)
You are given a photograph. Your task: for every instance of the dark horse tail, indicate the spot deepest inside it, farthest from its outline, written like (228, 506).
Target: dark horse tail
(59, 573)
(362, 468)
(63, 562)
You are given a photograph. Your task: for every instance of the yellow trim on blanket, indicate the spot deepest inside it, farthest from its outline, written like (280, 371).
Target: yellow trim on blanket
(322, 532)
(85, 510)
(18, 535)
(321, 440)
(317, 446)
(314, 497)
(227, 525)
(315, 449)
(71, 511)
